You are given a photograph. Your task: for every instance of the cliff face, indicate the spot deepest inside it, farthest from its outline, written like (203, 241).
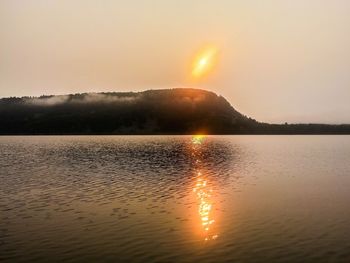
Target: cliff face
(171, 111)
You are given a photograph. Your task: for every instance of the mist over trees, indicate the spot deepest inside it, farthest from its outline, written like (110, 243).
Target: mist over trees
(169, 111)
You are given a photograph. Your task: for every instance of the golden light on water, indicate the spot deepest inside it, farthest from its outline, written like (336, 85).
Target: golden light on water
(204, 62)
(203, 192)
(197, 139)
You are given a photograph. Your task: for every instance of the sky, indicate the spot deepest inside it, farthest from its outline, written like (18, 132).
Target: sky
(278, 61)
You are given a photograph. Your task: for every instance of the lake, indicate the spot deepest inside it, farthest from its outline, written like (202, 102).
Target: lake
(175, 199)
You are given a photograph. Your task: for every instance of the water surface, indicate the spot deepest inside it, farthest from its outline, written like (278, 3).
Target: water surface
(175, 199)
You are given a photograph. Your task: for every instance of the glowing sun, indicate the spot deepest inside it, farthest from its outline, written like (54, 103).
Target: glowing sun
(204, 61)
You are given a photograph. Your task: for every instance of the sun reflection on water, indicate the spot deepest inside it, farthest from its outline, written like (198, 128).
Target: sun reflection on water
(203, 191)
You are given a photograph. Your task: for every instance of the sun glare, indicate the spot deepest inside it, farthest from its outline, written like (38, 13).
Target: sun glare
(204, 61)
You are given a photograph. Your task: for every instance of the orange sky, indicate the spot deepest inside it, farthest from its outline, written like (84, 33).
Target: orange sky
(278, 61)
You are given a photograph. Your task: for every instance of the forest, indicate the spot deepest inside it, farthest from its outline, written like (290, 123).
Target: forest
(168, 111)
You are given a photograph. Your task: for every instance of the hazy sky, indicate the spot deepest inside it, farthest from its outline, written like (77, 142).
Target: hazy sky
(279, 60)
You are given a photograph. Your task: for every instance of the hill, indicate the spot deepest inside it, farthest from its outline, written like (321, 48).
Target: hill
(168, 111)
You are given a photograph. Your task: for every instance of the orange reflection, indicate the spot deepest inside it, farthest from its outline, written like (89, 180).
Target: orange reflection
(197, 139)
(203, 192)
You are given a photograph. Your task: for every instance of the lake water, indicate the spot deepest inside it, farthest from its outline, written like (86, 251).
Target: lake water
(175, 199)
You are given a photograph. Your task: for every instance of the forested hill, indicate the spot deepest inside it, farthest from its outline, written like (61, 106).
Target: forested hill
(169, 111)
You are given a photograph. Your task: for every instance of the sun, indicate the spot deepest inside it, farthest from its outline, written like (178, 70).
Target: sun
(204, 62)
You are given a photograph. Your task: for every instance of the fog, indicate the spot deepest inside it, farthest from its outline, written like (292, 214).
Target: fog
(280, 61)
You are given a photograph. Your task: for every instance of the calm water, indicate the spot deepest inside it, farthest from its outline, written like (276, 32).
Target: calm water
(175, 199)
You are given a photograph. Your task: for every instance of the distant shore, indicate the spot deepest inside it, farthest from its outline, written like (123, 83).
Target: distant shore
(181, 111)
